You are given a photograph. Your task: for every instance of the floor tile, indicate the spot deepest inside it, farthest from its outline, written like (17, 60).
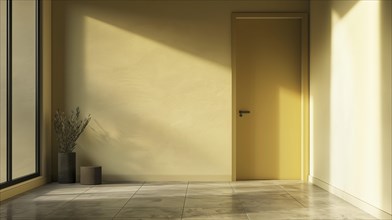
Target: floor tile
(58, 189)
(84, 212)
(25, 212)
(97, 203)
(253, 183)
(272, 205)
(346, 211)
(166, 183)
(172, 201)
(210, 191)
(37, 206)
(146, 218)
(301, 213)
(103, 196)
(263, 196)
(114, 188)
(41, 199)
(283, 214)
(208, 185)
(258, 189)
(21, 218)
(76, 218)
(320, 202)
(156, 212)
(219, 217)
(214, 213)
(159, 193)
(220, 201)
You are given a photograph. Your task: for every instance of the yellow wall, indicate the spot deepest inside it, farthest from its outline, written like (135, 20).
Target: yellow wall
(350, 99)
(156, 77)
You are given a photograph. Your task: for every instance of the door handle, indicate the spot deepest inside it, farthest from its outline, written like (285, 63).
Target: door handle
(244, 112)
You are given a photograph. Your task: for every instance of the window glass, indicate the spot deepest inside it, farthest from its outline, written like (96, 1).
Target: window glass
(23, 88)
(3, 93)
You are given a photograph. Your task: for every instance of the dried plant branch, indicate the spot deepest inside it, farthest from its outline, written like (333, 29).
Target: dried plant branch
(68, 129)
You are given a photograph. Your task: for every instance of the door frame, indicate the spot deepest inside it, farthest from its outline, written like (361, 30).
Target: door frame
(303, 17)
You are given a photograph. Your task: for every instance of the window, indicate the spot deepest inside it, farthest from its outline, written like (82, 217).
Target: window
(20, 91)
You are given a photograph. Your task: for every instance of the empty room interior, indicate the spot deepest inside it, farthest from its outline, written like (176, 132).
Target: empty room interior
(196, 109)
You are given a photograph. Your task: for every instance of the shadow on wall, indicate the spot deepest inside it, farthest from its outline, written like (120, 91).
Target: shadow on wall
(386, 103)
(185, 27)
(130, 155)
(58, 78)
(157, 85)
(320, 59)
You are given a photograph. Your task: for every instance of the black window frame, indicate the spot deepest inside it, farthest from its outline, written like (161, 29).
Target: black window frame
(38, 52)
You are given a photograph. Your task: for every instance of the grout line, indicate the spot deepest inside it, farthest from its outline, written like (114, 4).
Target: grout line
(129, 200)
(242, 205)
(292, 196)
(183, 207)
(66, 202)
(232, 188)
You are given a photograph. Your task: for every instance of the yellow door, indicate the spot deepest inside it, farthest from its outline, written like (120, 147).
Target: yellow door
(267, 62)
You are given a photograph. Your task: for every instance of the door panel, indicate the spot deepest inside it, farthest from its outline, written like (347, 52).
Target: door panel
(268, 84)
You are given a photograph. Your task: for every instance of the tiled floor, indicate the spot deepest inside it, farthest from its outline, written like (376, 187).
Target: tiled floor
(181, 200)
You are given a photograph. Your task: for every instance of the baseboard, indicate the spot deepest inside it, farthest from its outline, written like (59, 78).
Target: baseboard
(374, 211)
(142, 178)
(21, 187)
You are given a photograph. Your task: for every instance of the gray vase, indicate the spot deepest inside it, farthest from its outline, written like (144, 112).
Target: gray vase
(66, 167)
